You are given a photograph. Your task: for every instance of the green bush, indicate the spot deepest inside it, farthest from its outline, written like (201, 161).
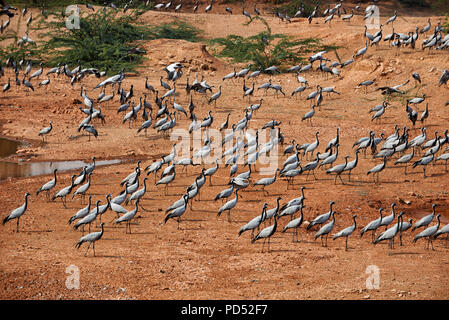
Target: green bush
(265, 49)
(293, 6)
(104, 40)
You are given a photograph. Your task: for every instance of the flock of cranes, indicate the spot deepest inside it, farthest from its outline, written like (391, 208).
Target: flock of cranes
(243, 148)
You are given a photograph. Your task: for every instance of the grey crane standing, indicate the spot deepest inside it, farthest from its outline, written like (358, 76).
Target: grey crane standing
(346, 232)
(425, 221)
(424, 161)
(377, 169)
(91, 238)
(443, 230)
(228, 206)
(390, 234)
(266, 233)
(179, 211)
(64, 192)
(17, 213)
(127, 217)
(373, 225)
(215, 97)
(325, 230)
(323, 217)
(388, 219)
(88, 218)
(295, 224)
(254, 223)
(429, 233)
(48, 186)
(266, 181)
(82, 212)
(45, 131)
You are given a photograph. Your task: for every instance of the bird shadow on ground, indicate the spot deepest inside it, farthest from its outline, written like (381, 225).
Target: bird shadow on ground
(190, 229)
(194, 220)
(105, 256)
(209, 211)
(142, 232)
(403, 252)
(278, 250)
(37, 231)
(237, 221)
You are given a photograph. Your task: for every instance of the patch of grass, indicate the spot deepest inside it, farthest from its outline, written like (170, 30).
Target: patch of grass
(291, 7)
(265, 49)
(105, 40)
(402, 98)
(176, 30)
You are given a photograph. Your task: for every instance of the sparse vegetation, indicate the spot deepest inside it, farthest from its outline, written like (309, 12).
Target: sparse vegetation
(265, 49)
(291, 7)
(105, 40)
(175, 30)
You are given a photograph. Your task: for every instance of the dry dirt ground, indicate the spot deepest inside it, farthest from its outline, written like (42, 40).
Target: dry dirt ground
(206, 259)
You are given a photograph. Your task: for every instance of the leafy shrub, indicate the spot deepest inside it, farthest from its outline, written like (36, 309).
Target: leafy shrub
(265, 49)
(293, 6)
(104, 40)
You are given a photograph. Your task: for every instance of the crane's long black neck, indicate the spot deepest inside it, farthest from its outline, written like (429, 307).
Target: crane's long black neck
(26, 201)
(263, 215)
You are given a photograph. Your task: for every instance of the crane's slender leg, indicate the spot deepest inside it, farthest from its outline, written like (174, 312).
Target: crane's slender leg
(93, 247)
(87, 249)
(18, 224)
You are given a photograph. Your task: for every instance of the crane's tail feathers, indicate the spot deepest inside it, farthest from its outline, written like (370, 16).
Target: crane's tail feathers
(5, 220)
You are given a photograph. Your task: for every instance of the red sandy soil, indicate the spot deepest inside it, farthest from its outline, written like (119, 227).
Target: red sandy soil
(206, 259)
